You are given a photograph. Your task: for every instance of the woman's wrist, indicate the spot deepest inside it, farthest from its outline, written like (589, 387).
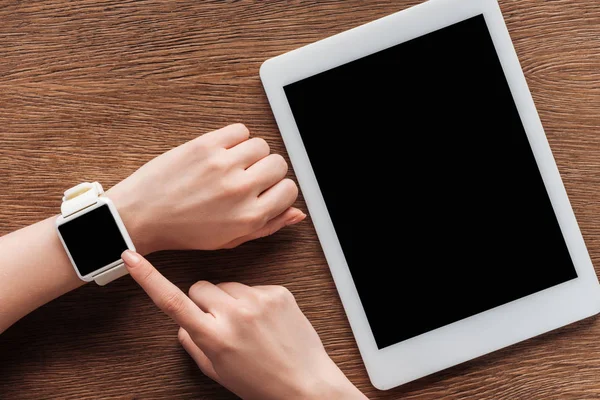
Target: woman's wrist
(134, 218)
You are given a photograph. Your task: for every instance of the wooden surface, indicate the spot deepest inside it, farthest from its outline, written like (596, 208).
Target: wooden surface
(93, 89)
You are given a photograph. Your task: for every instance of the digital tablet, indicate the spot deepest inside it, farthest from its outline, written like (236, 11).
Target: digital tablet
(432, 187)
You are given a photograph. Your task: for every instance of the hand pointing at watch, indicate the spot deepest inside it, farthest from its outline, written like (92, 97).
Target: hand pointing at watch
(216, 191)
(255, 341)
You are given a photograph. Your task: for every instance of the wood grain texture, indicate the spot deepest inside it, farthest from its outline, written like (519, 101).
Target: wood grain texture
(93, 89)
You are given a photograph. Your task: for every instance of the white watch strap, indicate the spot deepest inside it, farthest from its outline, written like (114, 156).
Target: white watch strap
(82, 196)
(108, 276)
(79, 197)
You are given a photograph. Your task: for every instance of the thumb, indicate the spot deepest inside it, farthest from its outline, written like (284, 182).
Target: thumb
(198, 355)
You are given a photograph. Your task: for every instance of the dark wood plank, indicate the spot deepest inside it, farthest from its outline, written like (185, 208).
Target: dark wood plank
(93, 89)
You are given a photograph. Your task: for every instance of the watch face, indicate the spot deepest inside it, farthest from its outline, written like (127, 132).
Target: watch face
(93, 239)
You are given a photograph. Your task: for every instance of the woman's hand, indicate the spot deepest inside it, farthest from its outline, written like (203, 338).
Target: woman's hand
(255, 341)
(216, 191)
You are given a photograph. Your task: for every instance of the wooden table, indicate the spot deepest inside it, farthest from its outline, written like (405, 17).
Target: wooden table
(93, 89)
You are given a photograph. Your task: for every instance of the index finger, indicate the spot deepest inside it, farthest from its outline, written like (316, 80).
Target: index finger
(168, 297)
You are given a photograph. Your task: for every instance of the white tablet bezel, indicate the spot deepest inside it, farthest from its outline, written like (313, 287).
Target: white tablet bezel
(482, 333)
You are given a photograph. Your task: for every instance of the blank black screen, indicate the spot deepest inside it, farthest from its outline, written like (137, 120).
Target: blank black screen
(93, 239)
(432, 120)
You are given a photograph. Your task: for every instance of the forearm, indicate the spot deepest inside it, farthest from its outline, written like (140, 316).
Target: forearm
(34, 269)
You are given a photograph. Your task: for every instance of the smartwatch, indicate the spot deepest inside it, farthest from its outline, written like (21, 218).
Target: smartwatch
(93, 234)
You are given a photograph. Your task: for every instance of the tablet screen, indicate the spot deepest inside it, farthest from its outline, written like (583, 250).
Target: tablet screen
(430, 182)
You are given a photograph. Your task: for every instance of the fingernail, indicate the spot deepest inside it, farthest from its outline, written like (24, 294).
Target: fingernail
(130, 258)
(296, 219)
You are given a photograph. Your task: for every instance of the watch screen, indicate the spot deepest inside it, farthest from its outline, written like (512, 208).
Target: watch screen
(93, 239)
